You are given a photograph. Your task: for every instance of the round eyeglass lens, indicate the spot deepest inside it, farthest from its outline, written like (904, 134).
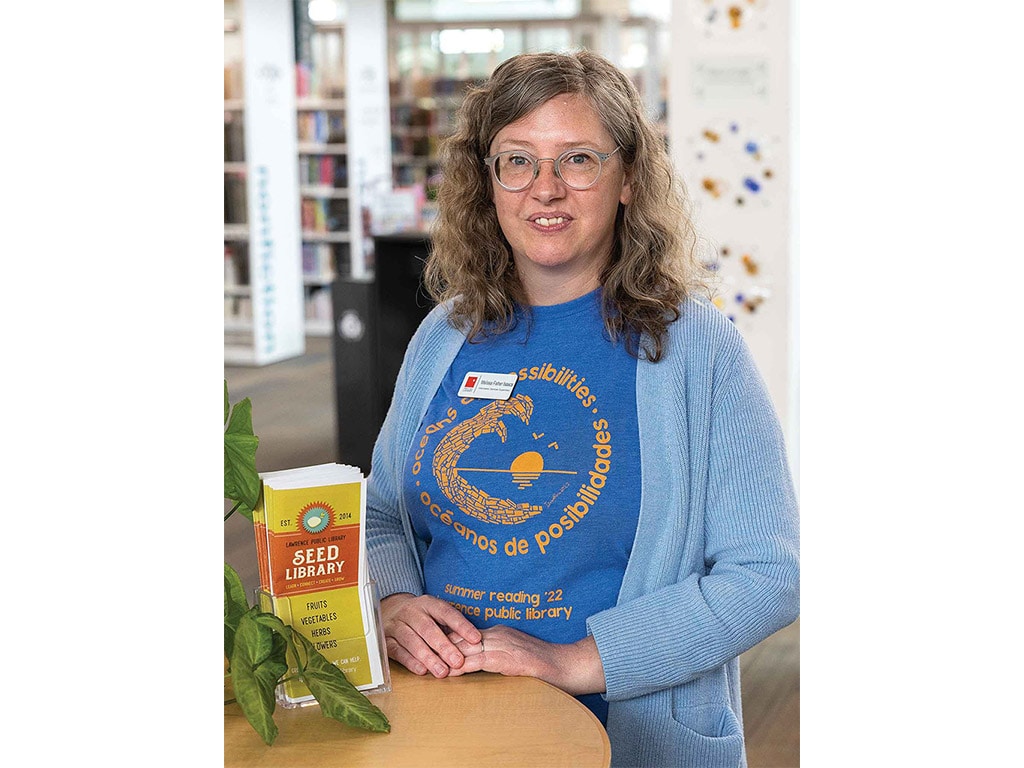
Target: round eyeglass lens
(513, 169)
(579, 168)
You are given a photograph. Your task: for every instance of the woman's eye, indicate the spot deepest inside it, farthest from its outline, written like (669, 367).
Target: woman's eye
(518, 160)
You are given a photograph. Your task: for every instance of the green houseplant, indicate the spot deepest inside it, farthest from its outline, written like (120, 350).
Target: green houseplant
(256, 643)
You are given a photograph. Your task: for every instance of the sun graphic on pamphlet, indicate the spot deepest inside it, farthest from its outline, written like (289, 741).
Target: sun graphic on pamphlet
(316, 517)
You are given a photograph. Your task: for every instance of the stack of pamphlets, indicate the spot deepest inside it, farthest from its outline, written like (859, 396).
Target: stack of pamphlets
(311, 552)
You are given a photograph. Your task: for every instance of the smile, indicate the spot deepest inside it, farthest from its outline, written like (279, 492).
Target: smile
(549, 222)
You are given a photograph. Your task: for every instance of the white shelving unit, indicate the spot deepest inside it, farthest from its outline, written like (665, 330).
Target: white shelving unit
(271, 300)
(263, 288)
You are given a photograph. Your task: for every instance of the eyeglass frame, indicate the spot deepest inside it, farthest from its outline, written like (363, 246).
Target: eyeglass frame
(601, 156)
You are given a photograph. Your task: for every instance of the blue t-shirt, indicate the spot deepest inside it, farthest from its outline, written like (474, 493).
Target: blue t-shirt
(529, 505)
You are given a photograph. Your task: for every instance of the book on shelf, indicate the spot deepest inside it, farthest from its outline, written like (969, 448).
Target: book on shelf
(234, 137)
(311, 556)
(233, 86)
(326, 175)
(314, 215)
(318, 127)
(317, 170)
(235, 203)
(317, 262)
(308, 215)
(303, 79)
(320, 214)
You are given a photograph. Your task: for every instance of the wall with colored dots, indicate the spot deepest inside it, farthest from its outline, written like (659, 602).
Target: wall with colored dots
(729, 134)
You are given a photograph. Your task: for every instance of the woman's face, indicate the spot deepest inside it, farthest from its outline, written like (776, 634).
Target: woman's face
(561, 237)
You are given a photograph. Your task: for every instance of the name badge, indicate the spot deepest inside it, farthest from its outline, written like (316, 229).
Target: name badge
(488, 386)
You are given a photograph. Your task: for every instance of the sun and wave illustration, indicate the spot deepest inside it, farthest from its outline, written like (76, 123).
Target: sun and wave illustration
(525, 468)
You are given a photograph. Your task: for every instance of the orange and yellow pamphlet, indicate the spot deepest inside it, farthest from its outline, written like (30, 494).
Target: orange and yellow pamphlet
(311, 552)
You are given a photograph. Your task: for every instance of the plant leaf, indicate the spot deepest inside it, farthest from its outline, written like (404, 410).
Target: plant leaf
(273, 622)
(257, 663)
(241, 480)
(338, 698)
(235, 606)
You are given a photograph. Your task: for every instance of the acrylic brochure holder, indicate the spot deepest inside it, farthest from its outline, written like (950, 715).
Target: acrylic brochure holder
(321, 618)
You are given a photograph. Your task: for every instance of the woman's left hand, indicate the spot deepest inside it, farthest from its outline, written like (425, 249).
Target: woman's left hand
(574, 667)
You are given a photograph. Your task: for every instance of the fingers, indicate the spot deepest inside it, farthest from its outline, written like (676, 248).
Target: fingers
(473, 656)
(575, 668)
(403, 657)
(507, 651)
(413, 628)
(454, 620)
(465, 647)
(473, 663)
(419, 640)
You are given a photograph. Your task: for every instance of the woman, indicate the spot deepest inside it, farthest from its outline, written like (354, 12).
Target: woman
(581, 477)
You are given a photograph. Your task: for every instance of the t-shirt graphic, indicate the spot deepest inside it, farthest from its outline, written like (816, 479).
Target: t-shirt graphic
(528, 506)
(525, 468)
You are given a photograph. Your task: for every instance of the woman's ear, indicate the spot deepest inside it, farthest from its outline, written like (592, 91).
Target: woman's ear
(626, 195)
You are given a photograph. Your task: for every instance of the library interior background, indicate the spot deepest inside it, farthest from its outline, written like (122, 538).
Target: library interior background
(357, 95)
(333, 113)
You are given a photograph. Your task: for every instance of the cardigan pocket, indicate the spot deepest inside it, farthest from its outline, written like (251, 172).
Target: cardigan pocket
(711, 735)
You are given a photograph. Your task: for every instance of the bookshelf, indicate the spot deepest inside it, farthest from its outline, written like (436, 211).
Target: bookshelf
(410, 100)
(322, 152)
(343, 121)
(323, 193)
(237, 295)
(431, 63)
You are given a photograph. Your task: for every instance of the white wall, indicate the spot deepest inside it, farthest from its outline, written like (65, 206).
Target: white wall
(730, 117)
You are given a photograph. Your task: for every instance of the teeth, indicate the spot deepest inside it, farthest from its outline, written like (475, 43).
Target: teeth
(550, 222)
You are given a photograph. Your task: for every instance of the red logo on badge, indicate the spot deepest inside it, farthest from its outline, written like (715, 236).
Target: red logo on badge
(470, 382)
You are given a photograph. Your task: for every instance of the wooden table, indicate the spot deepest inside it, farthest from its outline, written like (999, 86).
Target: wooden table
(477, 720)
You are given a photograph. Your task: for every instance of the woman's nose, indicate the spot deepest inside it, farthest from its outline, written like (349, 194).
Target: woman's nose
(547, 185)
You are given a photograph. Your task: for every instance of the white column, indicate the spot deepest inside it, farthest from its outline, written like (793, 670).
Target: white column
(368, 119)
(275, 260)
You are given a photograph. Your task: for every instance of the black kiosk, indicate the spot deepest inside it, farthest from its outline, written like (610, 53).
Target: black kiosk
(373, 322)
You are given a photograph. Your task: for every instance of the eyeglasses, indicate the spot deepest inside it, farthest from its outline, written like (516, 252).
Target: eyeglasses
(579, 168)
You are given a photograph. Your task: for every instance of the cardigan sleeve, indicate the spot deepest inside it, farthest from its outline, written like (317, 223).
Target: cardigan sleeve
(748, 584)
(392, 561)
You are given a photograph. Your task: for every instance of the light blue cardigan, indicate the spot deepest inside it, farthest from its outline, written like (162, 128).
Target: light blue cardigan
(715, 564)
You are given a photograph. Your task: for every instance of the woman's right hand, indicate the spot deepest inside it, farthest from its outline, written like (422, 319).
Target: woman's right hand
(417, 629)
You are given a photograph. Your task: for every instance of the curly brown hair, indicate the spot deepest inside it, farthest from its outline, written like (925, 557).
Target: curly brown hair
(653, 265)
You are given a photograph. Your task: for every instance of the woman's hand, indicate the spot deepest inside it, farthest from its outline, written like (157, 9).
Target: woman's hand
(416, 632)
(574, 667)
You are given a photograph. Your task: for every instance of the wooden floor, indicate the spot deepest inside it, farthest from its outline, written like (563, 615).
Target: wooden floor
(293, 415)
